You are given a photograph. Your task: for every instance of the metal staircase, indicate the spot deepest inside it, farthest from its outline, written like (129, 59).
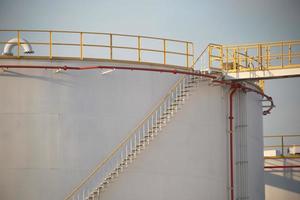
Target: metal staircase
(136, 141)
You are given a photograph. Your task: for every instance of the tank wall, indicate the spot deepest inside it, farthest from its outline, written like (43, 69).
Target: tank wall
(55, 127)
(255, 147)
(187, 160)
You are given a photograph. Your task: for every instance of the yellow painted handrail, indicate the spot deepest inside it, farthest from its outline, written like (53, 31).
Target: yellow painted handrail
(255, 57)
(136, 48)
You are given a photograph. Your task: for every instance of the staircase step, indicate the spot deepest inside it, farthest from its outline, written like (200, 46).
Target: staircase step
(143, 141)
(100, 188)
(105, 182)
(156, 127)
(186, 91)
(170, 109)
(164, 118)
(152, 131)
(127, 159)
(131, 154)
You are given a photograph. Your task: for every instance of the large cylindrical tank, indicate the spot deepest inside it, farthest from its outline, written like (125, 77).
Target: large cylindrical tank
(55, 127)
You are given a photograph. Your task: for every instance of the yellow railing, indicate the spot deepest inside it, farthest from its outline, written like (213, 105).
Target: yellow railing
(52, 44)
(253, 57)
(282, 143)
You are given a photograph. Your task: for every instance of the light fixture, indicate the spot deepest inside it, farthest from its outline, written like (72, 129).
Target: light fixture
(107, 71)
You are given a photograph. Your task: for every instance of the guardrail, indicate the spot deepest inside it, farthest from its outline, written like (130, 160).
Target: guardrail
(106, 46)
(282, 143)
(253, 57)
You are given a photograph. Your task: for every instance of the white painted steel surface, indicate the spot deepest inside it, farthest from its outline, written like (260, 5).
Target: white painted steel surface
(56, 126)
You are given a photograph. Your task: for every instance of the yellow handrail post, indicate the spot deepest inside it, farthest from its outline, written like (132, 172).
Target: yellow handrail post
(267, 55)
(282, 146)
(260, 56)
(238, 58)
(221, 56)
(193, 52)
(50, 44)
(234, 59)
(165, 55)
(81, 46)
(187, 54)
(227, 58)
(290, 52)
(19, 44)
(282, 54)
(209, 56)
(110, 46)
(246, 57)
(139, 48)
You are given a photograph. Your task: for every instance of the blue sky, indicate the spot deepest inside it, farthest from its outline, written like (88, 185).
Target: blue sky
(225, 22)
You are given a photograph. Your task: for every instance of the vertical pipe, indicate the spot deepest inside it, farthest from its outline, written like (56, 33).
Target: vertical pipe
(110, 46)
(50, 44)
(231, 142)
(165, 47)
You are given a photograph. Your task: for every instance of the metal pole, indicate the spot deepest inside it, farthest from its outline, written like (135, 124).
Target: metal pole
(81, 46)
(50, 45)
(165, 47)
(187, 54)
(282, 146)
(110, 46)
(139, 48)
(19, 44)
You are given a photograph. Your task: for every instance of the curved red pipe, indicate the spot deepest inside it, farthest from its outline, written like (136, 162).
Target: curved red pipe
(173, 71)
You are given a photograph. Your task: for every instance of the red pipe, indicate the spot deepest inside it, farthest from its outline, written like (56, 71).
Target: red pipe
(231, 141)
(282, 167)
(173, 71)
